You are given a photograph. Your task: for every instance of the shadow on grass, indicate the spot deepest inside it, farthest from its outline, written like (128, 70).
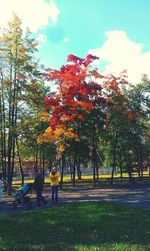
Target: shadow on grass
(85, 226)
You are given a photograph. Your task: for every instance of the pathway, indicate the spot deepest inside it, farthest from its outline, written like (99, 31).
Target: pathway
(138, 196)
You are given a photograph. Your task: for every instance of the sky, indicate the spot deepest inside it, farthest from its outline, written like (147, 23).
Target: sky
(117, 31)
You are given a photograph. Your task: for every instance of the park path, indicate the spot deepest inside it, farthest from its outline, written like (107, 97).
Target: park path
(132, 196)
(138, 196)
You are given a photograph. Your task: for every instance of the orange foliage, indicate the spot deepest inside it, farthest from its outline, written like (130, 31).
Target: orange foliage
(78, 94)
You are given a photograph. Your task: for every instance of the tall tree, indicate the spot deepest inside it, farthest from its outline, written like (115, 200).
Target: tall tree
(17, 68)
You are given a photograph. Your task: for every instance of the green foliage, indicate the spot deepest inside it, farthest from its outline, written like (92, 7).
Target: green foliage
(118, 123)
(22, 92)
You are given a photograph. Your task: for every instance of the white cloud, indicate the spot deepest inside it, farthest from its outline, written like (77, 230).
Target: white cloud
(34, 14)
(66, 40)
(41, 38)
(121, 53)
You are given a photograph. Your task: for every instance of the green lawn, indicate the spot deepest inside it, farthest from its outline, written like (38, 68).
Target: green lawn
(89, 226)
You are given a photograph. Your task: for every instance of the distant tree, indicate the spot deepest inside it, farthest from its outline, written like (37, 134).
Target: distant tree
(139, 98)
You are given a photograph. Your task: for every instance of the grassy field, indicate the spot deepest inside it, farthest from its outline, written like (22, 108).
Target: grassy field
(67, 179)
(80, 227)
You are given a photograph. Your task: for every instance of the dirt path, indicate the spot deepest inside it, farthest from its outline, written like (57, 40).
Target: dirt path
(133, 196)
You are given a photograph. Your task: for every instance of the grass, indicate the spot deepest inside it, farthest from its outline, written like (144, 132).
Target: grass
(90, 226)
(102, 177)
(101, 183)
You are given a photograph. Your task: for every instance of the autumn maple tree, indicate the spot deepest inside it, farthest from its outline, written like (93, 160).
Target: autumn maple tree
(80, 90)
(83, 95)
(77, 94)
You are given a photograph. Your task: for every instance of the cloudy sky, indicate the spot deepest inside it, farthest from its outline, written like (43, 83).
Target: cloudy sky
(115, 30)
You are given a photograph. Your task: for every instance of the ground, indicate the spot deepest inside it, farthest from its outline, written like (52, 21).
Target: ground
(133, 195)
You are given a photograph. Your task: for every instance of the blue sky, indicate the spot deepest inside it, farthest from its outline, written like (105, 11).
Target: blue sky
(84, 23)
(115, 30)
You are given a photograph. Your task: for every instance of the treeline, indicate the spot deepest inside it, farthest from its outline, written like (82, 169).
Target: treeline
(94, 119)
(104, 134)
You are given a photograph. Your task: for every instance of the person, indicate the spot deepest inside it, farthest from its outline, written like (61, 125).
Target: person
(1, 188)
(24, 189)
(54, 180)
(38, 186)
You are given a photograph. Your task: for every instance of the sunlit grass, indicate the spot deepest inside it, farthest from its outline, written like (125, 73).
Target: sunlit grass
(84, 177)
(79, 227)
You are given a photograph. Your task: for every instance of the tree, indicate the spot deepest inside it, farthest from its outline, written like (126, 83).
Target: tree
(76, 97)
(139, 98)
(17, 69)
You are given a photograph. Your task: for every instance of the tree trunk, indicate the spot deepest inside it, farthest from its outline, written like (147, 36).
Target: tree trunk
(114, 157)
(9, 164)
(148, 166)
(71, 169)
(94, 164)
(129, 166)
(43, 163)
(3, 129)
(141, 163)
(78, 170)
(74, 170)
(20, 163)
(121, 172)
(62, 170)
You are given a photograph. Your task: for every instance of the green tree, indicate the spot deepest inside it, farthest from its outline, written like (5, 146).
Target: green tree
(18, 64)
